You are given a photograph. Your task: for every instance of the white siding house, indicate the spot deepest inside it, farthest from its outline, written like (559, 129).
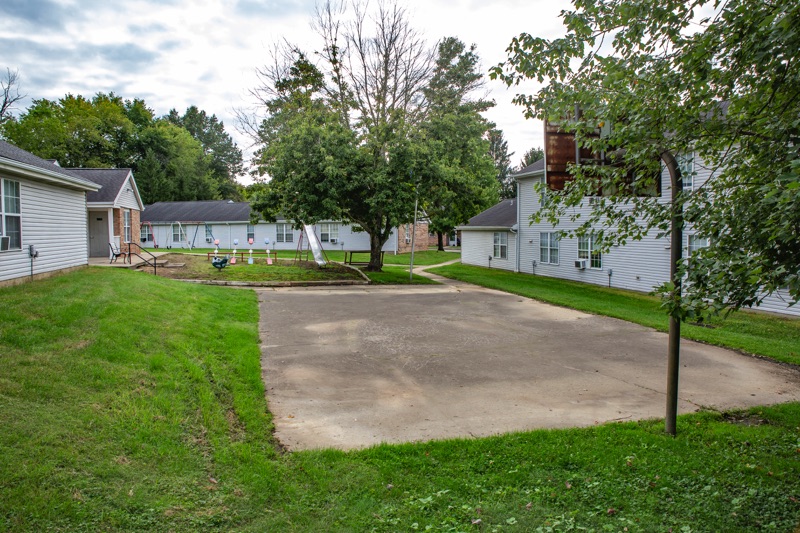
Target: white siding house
(200, 223)
(639, 265)
(114, 210)
(490, 238)
(44, 206)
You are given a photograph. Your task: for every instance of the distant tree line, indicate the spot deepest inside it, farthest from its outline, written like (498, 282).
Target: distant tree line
(185, 156)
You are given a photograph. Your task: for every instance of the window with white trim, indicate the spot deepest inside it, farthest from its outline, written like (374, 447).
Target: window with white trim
(145, 233)
(329, 232)
(686, 166)
(500, 250)
(126, 225)
(408, 234)
(251, 232)
(695, 242)
(10, 216)
(284, 233)
(587, 249)
(178, 233)
(209, 234)
(548, 247)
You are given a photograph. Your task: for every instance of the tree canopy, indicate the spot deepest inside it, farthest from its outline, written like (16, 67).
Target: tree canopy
(498, 150)
(717, 79)
(531, 156)
(381, 120)
(187, 157)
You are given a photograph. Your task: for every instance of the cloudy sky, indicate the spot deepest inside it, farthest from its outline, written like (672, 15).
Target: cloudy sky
(177, 53)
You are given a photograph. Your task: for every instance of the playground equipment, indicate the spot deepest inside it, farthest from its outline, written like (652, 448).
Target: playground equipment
(235, 244)
(313, 243)
(152, 233)
(250, 259)
(266, 243)
(216, 247)
(220, 262)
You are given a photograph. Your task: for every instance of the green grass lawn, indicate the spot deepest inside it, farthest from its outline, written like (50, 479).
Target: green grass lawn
(133, 402)
(769, 335)
(396, 275)
(428, 257)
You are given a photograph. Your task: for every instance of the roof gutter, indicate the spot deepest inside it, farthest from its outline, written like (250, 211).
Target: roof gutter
(24, 170)
(519, 225)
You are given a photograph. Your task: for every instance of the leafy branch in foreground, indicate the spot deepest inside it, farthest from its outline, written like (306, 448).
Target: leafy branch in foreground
(721, 81)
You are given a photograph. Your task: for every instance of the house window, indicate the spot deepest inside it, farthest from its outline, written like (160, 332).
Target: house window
(126, 225)
(548, 248)
(251, 232)
(587, 249)
(329, 232)
(146, 233)
(209, 234)
(178, 233)
(686, 166)
(500, 245)
(284, 233)
(10, 216)
(408, 234)
(696, 242)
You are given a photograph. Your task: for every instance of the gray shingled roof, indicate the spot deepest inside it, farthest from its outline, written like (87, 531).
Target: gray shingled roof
(536, 166)
(502, 215)
(9, 151)
(111, 179)
(201, 211)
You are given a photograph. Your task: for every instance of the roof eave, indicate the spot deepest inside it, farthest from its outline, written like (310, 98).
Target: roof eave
(485, 228)
(534, 174)
(24, 170)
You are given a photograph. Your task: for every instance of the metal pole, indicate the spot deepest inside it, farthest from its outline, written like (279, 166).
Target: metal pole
(676, 245)
(413, 241)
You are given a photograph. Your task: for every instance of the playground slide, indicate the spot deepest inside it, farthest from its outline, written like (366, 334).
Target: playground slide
(316, 246)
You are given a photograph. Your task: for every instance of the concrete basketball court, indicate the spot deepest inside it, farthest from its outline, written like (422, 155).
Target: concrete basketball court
(353, 367)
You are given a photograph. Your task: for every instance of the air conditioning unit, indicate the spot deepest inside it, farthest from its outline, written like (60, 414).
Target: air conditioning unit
(334, 241)
(580, 264)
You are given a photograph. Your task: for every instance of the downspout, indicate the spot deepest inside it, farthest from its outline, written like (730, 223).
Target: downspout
(519, 230)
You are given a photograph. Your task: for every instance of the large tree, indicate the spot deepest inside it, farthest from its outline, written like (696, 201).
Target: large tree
(9, 94)
(457, 178)
(225, 156)
(187, 157)
(76, 131)
(531, 156)
(339, 139)
(642, 81)
(498, 150)
(669, 77)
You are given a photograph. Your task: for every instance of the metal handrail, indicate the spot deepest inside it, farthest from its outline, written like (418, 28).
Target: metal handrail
(142, 250)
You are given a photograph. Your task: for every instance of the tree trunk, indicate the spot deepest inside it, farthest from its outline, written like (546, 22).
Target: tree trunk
(375, 245)
(440, 238)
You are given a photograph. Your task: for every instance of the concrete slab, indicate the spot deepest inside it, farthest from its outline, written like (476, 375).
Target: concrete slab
(352, 367)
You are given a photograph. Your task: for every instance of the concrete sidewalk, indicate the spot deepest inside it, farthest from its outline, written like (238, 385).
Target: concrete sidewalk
(352, 367)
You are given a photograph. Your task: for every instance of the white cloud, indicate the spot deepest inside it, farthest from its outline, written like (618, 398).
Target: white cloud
(178, 53)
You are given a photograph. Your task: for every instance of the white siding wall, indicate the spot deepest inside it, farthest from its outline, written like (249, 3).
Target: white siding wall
(640, 266)
(227, 233)
(127, 199)
(478, 245)
(54, 220)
